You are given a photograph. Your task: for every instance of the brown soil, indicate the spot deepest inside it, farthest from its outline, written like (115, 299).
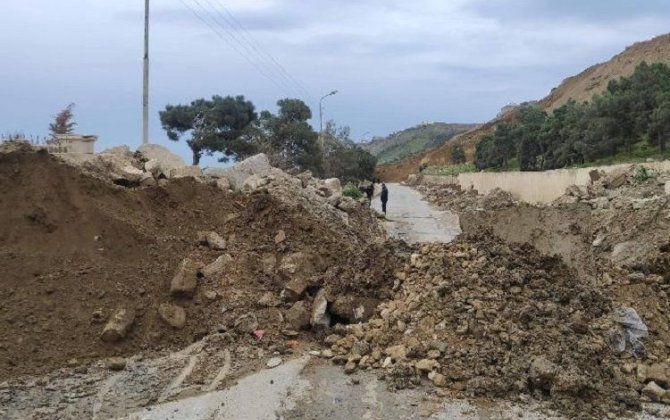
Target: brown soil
(479, 312)
(616, 240)
(71, 245)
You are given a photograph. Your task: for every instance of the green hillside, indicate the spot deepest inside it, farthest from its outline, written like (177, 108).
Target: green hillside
(413, 140)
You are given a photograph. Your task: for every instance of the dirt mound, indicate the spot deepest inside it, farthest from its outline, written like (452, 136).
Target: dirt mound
(76, 249)
(483, 317)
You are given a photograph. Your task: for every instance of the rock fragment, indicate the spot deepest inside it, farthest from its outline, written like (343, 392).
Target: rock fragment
(294, 289)
(320, 316)
(298, 316)
(217, 266)
(653, 391)
(273, 362)
(280, 236)
(398, 352)
(246, 324)
(118, 325)
(354, 309)
(185, 280)
(212, 240)
(116, 363)
(173, 315)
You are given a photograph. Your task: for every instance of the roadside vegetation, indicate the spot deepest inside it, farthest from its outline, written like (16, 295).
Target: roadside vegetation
(230, 128)
(450, 170)
(352, 190)
(629, 121)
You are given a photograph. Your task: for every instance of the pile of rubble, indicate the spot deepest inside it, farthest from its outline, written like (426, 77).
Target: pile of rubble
(320, 198)
(630, 212)
(153, 165)
(454, 198)
(484, 318)
(156, 267)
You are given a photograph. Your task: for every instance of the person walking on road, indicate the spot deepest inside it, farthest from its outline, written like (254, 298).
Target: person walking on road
(384, 197)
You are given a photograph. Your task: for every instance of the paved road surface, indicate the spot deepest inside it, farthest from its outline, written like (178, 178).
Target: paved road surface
(415, 220)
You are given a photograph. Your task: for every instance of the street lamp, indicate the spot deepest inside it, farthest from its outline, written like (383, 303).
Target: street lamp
(321, 114)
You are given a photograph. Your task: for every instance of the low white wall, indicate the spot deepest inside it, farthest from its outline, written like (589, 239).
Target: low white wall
(438, 180)
(536, 187)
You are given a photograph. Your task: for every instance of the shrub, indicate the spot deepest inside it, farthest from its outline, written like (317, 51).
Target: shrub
(641, 174)
(351, 190)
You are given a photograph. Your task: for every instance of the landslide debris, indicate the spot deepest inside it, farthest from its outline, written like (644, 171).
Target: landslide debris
(482, 317)
(621, 217)
(613, 233)
(93, 268)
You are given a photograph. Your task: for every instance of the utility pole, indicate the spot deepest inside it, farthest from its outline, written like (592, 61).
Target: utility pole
(145, 84)
(321, 116)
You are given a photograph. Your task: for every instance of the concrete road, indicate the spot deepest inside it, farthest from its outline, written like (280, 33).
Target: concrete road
(312, 388)
(414, 220)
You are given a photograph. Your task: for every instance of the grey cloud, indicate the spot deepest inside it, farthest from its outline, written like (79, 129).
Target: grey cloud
(590, 11)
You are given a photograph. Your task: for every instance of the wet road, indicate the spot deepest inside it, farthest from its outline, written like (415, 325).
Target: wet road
(415, 220)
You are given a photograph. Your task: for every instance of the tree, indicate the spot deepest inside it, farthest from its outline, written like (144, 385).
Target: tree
(344, 159)
(288, 139)
(504, 144)
(457, 154)
(532, 147)
(484, 156)
(63, 123)
(659, 127)
(220, 124)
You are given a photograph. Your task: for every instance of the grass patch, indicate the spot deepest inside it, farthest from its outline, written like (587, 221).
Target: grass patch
(640, 153)
(450, 170)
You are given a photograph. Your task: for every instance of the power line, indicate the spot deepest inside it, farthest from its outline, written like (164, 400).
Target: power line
(230, 43)
(257, 46)
(252, 49)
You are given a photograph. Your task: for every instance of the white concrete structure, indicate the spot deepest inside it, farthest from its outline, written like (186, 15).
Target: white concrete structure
(534, 187)
(74, 143)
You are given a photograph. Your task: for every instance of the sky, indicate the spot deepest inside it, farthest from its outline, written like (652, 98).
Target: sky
(394, 63)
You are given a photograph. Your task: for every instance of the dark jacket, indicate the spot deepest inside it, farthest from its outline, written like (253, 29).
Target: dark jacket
(385, 194)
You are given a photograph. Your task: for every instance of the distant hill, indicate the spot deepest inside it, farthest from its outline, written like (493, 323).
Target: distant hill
(413, 140)
(581, 87)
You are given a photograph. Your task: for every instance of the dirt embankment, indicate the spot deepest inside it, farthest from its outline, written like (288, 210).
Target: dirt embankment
(75, 249)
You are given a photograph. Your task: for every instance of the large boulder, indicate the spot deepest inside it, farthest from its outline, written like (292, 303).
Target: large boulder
(255, 182)
(332, 187)
(117, 165)
(238, 173)
(185, 171)
(354, 309)
(153, 166)
(164, 159)
(348, 205)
